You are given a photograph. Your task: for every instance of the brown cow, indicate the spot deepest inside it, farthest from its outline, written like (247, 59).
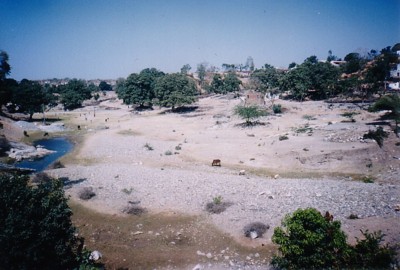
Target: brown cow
(216, 162)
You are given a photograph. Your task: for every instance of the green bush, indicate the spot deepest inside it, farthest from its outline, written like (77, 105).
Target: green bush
(277, 108)
(309, 240)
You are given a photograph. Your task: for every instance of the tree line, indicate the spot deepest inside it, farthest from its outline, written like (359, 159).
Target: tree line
(358, 75)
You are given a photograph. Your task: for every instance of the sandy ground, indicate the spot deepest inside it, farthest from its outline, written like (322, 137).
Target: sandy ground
(320, 168)
(113, 157)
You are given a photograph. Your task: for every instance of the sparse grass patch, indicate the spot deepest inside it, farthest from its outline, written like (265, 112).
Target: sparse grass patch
(303, 129)
(217, 206)
(86, 193)
(309, 117)
(178, 147)
(127, 191)
(368, 179)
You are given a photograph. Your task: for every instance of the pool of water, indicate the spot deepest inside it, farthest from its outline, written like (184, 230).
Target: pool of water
(61, 145)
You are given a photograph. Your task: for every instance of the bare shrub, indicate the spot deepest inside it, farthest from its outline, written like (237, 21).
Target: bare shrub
(86, 193)
(134, 210)
(255, 229)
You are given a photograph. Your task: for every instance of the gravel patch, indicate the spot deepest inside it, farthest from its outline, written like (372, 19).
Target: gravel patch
(253, 198)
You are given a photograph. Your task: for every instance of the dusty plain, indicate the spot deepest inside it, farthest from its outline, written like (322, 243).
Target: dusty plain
(161, 161)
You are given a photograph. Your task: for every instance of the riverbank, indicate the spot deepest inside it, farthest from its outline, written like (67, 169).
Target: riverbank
(161, 161)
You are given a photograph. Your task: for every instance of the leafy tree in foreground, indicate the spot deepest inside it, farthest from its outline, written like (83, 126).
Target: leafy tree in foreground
(249, 113)
(175, 90)
(308, 240)
(36, 231)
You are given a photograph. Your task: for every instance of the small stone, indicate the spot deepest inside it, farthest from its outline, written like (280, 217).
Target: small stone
(198, 267)
(95, 255)
(209, 255)
(276, 176)
(257, 255)
(226, 257)
(137, 233)
(200, 253)
(253, 235)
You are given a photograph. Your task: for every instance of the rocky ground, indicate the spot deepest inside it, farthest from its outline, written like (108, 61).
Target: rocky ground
(161, 161)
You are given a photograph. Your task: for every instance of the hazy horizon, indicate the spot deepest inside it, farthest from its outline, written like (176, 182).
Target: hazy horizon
(110, 39)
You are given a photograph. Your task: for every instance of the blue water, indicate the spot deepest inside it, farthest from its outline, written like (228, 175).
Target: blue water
(61, 145)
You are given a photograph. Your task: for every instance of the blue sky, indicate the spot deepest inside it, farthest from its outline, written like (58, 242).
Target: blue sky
(114, 38)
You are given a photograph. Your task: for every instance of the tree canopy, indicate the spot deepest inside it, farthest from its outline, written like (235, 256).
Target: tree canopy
(74, 93)
(139, 88)
(227, 84)
(36, 231)
(30, 97)
(175, 90)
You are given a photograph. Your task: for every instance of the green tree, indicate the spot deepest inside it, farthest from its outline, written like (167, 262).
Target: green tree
(5, 67)
(185, 69)
(30, 98)
(139, 88)
(201, 73)
(354, 63)
(120, 89)
(308, 240)
(265, 79)
(249, 113)
(6, 87)
(231, 82)
(175, 90)
(36, 231)
(74, 93)
(217, 84)
(312, 79)
(104, 86)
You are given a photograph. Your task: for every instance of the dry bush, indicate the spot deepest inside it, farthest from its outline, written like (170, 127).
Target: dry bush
(134, 210)
(258, 228)
(86, 193)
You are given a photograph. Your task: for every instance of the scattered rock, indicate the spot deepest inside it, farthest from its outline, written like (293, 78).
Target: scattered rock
(242, 172)
(95, 255)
